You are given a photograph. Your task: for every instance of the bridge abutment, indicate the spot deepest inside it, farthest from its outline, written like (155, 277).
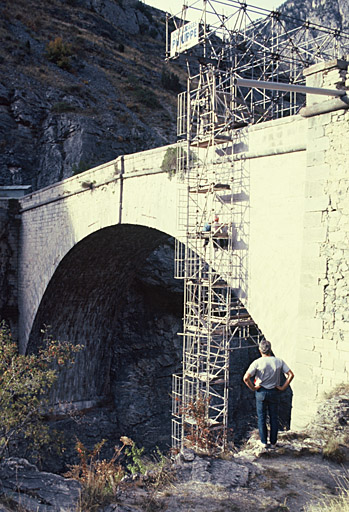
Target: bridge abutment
(322, 357)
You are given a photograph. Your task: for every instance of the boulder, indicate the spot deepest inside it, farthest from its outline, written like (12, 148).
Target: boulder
(37, 491)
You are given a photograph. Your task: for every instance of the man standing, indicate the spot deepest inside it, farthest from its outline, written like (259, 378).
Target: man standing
(267, 370)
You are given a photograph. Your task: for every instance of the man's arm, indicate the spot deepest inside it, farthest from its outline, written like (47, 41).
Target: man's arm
(287, 382)
(249, 384)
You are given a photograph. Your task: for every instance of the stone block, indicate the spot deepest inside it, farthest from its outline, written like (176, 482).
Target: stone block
(314, 266)
(304, 373)
(315, 158)
(315, 234)
(315, 132)
(327, 361)
(314, 204)
(303, 389)
(313, 294)
(339, 365)
(314, 188)
(335, 236)
(343, 346)
(308, 343)
(323, 344)
(308, 308)
(309, 357)
(320, 120)
(319, 144)
(311, 252)
(339, 378)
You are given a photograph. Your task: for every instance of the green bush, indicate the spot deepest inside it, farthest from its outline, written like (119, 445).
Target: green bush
(59, 52)
(169, 162)
(135, 464)
(25, 383)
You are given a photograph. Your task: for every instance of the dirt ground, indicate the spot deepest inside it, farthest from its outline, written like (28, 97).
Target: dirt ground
(251, 480)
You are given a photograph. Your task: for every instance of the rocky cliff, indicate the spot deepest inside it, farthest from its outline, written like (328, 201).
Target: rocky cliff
(329, 13)
(81, 82)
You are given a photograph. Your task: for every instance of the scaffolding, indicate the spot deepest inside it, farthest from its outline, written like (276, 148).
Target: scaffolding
(226, 57)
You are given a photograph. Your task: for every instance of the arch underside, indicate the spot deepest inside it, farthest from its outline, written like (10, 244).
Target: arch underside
(115, 293)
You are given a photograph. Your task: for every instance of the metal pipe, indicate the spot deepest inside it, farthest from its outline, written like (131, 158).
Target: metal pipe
(278, 86)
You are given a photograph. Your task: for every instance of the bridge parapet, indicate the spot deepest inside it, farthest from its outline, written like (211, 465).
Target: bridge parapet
(145, 162)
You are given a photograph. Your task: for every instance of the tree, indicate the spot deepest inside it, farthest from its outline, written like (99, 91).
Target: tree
(25, 383)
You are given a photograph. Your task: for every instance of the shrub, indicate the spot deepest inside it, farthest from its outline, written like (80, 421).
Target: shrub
(145, 10)
(62, 106)
(82, 167)
(99, 478)
(170, 81)
(135, 464)
(340, 389)
(59, 52)
(332, 450)
(199, 435)
(25, 382)
(146, 97)
(169, 162)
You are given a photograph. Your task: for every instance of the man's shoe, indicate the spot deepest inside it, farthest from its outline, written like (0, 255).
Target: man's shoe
(273, 446)
(262, 445)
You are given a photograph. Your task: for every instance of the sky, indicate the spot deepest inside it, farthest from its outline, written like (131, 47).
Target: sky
(174, 6)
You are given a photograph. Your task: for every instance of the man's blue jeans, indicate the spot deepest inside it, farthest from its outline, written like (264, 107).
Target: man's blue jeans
(267, 400)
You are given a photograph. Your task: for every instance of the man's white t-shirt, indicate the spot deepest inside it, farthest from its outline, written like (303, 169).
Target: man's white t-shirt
(267, 371)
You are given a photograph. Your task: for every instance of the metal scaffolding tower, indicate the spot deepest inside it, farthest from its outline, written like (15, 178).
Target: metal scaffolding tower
(224, 53)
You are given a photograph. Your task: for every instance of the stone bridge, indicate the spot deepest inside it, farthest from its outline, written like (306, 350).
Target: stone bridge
(84, 243)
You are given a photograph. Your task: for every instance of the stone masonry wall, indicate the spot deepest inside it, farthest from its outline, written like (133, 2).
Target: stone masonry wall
(322, 359)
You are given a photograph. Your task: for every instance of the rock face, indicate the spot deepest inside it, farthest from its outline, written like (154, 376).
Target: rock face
(9, 232)
(332, 419)
(328, 13)
(94, 95)
(36, 491)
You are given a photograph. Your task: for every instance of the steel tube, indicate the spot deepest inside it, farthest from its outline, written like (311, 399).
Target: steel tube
(278, 86)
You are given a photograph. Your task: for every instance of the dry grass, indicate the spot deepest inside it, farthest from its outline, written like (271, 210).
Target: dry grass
(340, 389)
(338, 503)
(333, 450)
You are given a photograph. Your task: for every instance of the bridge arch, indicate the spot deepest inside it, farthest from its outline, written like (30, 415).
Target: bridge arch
(55, 219)
(114, 292)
